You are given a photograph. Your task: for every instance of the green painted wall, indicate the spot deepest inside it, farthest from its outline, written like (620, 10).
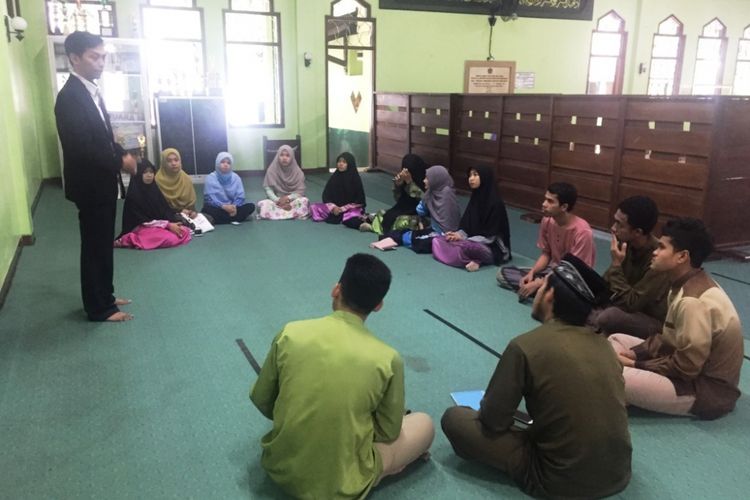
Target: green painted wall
(28, 144)
(416, 52)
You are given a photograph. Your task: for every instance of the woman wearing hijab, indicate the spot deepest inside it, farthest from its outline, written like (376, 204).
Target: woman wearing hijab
(224, 194)
(148, 222)
(439, 204)
(175, 184)
(484, 234)
(343, 196)
(408, 189)
(285, 187)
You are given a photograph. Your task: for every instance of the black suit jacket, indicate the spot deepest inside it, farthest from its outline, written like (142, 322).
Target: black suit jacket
(91, 158)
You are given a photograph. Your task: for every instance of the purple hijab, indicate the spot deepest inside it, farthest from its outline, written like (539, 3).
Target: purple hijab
(440, 199)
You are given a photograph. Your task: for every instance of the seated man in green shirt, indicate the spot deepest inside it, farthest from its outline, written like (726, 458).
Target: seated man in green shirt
(638, 301)
(578, 444)
(335, 394)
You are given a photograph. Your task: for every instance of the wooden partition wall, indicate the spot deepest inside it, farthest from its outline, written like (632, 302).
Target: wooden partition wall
(690, 154)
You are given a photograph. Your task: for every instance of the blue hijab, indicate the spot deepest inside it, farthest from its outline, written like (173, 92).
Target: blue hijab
(223, 189)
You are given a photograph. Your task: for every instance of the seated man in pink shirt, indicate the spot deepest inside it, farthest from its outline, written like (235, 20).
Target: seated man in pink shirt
(561, 232)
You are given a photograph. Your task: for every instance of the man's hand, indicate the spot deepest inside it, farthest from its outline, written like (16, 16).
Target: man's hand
(528, 289)
(627, 358)
(527, 279)
(617, 250)
(129, 164)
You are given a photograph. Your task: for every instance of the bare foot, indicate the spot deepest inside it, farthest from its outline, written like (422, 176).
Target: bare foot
(122, 302)
(472, 266)
(120, 316)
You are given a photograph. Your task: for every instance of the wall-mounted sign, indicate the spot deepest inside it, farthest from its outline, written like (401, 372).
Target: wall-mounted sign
(556, 9)
(489, 77)
(525, 80)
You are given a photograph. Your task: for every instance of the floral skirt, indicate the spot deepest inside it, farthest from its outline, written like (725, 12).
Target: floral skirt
(268, 210)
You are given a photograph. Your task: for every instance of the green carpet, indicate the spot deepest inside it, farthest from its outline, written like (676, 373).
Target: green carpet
(158, 408)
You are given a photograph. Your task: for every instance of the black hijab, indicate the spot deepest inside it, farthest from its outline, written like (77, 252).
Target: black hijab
(485, 214)
(345, 187)
(416, 167)
(144, 202)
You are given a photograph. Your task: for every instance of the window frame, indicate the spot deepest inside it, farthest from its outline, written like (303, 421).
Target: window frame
(620, 67)
(92, 2)
(271, 13)
(745, 37)
(202, 41)
(722, 56)
(678, 59)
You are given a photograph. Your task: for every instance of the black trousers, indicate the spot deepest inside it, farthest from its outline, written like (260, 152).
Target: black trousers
(352, 223)
(96, 223)
(220, 216)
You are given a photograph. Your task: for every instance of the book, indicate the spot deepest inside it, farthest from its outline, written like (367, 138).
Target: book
(473, 399)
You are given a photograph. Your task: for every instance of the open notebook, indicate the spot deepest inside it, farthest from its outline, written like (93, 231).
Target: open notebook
(472, 399)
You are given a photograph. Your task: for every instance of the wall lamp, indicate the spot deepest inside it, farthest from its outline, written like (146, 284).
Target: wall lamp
(15, 26)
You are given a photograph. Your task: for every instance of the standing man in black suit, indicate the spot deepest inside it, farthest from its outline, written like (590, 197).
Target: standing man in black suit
(92, 164)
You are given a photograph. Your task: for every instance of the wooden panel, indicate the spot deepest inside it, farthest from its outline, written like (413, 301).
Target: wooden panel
(726, 212)
(393, 132)
(430, 120)
(668, 141)
(394, 148)
(478, 146)
(527, 104)
(525, 128)
(591, 186)
(525, 197)
(465, 160)
(481, 103)
(397, 117)
(565, 132)
(527, 152)
(437, 101)
(690, 175)
(392, 100)
(698, 110)
(389, 163)
(479, 123)
(432, 156)
(596, 214)
(525, 173)
(582, 159)
(588, 106)
(671, 200)
(733, 135)
(430, 139)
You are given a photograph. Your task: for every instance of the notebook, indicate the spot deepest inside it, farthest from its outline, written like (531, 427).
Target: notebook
(472, 399)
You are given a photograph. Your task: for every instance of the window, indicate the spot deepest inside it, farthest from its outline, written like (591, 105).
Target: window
(92, 16)
(666, 58)
(742, 72)
(607, 59)
(174, 43)
(253, 63)
(709, 63)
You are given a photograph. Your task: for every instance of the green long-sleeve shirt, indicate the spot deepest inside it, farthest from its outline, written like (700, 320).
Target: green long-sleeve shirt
(332, 390)
(635, 286)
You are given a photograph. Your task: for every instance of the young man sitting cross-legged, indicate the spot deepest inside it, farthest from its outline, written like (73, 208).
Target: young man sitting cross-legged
(578, 444)
(692, 366)
(561, 232)
(335, 394)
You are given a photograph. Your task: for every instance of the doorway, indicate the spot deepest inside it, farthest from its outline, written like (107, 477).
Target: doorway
(350, 80)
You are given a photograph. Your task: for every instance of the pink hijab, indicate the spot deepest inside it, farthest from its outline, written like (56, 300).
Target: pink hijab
(285, 180)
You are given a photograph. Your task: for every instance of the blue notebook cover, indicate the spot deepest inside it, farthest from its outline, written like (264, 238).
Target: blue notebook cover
(468, 398)
(472, 399)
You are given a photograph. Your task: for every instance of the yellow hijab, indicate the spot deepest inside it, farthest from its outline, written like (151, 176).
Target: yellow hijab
(177, 187)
